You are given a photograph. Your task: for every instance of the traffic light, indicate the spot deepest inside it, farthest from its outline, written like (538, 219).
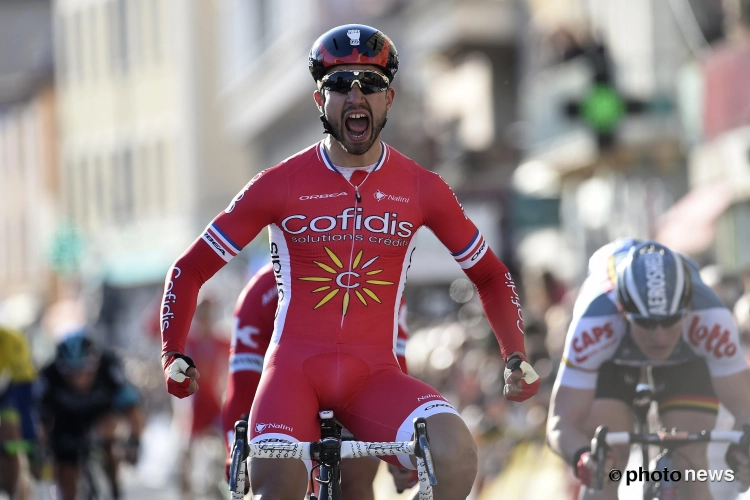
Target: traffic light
(603, 107)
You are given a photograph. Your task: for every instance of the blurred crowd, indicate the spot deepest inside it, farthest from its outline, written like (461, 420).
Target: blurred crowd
(459, 355)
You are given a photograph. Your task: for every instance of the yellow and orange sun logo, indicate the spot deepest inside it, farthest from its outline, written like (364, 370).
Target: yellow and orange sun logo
(349, 281)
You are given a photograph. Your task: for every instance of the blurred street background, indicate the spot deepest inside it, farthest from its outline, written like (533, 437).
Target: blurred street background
(127, 125)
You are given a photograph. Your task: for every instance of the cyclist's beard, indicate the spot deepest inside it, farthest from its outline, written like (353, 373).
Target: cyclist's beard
(358, 147)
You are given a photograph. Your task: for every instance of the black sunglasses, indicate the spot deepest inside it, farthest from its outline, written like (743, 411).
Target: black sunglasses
(652, 324)
(369, 81)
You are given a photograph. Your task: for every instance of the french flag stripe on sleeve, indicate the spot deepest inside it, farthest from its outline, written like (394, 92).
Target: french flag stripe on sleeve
(471, 254)
(220, 243)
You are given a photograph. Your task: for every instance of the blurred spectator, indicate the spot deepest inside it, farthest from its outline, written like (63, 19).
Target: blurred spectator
(742, 309)
(724, 286)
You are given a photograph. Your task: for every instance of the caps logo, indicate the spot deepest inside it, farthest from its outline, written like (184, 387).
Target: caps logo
(656, 286)
(353, 37)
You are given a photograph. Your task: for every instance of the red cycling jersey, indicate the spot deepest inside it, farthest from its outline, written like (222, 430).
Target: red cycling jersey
(340, 252)
(253, 326)
(341, 264)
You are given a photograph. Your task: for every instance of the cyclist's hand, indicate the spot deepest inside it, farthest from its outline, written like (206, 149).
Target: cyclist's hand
(403, 479)
(739, 461)
(521, 381)
(587, 468)
(180, 374)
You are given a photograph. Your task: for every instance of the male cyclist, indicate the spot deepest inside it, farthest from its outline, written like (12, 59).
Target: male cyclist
(251, 336)
(641, 305)
(17, 422)
(82, 391)
(342, 216)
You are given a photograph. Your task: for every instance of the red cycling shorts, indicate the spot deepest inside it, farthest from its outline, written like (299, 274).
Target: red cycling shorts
(362, 384)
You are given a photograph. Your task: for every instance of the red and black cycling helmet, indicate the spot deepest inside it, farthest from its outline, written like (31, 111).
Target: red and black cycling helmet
(353, 44)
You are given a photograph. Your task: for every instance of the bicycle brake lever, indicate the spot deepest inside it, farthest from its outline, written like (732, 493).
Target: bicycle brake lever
(422, 448)
(599, 451)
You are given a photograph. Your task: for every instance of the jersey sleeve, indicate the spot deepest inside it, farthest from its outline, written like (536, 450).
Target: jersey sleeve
(593, 336)
(445, 216)
(256, 206)
(712, 334)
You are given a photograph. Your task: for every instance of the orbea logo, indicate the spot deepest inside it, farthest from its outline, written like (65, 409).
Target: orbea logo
(262, 427)
(353, 37)
(656, 286)
(379, 195)
(321, 196)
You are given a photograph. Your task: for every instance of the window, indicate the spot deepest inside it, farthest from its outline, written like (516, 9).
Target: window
(84, 195)
(155, 28)
(126, 175)
(113, 36)
(137, 54)
(77, 63)
(93, 41)
(70, 190)
(122, 31)
(61, 31)
(98, 194)
(160, 172)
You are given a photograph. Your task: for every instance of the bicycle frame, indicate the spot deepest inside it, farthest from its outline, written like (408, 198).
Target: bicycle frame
(666, 441)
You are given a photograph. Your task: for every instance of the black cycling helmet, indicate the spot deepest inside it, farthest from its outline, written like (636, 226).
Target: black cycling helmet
(353, 44)
(77, 352)
(653, 282)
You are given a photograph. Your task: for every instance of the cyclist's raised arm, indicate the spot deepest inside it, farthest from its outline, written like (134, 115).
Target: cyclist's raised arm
(446, 218)
(256, 206)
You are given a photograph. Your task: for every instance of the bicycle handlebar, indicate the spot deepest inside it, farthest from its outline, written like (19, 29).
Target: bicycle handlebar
(673, 438)
(603, 438)
(349, 449)
(332, 449)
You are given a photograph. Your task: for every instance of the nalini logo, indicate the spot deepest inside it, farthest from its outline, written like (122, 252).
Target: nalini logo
(379, 195)
(262, 427)
(353, 37)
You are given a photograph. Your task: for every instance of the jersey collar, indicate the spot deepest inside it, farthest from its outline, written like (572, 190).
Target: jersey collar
(329, 164)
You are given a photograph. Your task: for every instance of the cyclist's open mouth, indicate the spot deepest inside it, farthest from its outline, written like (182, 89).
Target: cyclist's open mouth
(357, 126)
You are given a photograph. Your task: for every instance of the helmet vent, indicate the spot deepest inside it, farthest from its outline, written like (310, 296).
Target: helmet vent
(335, 44)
